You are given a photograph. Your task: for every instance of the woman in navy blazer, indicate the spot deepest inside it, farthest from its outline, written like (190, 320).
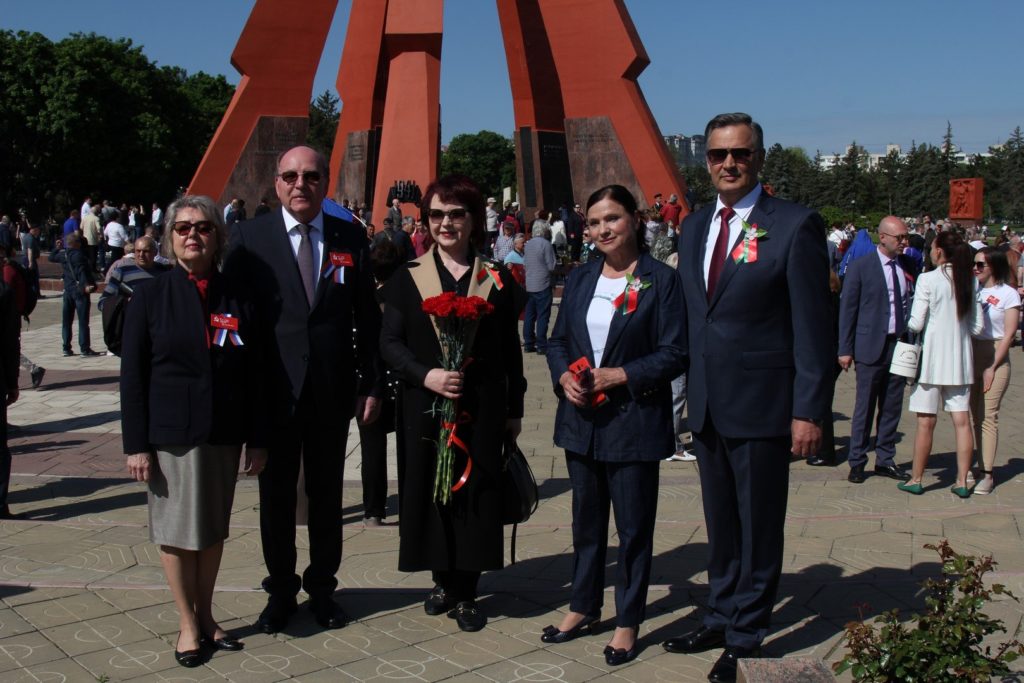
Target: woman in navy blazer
(622, 317)
(191, 395)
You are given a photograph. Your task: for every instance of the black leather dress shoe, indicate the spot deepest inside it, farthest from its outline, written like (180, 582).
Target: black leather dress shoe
(468, 616)
(819, 461)
(552, 635)
(892, 472)
(328, 613)
(701, 640)
(724, 670)
(227, 643)
(274, 617)
(438, 602)
(856, 475)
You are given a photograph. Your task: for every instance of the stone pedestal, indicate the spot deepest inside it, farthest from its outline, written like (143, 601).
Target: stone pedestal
(795, 670)
(542, 165)
(597, 158)
(359, 168)
(253, 176)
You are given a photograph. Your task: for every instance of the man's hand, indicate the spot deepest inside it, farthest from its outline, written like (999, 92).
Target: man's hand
(845, 362)
(367, 409)
(140, 465)
(255, 460)
(806, 438)
(608, 378)
(15, 392)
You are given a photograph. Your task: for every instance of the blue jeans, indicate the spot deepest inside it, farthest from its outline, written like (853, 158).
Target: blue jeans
(538, 313)
(75, 303)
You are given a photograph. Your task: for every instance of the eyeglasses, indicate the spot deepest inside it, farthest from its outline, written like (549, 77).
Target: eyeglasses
(741, 155)
(899, 238)
(980, 265)
(184, 228)
(455, 215)
(146, 251)
(308, 177)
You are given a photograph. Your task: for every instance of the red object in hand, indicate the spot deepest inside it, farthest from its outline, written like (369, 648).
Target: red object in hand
(584, 375)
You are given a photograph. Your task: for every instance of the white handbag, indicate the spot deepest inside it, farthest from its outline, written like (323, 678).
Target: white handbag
(905, 358)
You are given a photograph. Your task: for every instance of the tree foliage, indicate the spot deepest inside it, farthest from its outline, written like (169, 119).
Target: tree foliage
(91, 115)
(323, 122)
(486, 157)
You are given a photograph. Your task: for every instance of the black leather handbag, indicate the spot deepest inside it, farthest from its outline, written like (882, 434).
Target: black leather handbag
(519, 488)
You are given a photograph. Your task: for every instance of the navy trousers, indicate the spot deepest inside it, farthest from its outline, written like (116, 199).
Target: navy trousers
(535, 319)
(631, 488)
(877, 389)
(745, 486)
(75, 303)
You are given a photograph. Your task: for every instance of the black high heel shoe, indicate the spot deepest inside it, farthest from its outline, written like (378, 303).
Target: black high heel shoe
(227, 643)
(190, 659)
(552, 635)
(617, 656)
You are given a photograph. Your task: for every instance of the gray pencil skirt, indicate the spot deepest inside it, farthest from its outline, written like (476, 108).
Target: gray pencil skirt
(190, 495)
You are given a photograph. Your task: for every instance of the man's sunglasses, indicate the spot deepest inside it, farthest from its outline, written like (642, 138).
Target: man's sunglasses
(308, 177)
(437, 215)
(740, 155)
(184, 228)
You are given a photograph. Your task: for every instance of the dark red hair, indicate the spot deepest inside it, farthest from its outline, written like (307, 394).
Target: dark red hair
(458, 189)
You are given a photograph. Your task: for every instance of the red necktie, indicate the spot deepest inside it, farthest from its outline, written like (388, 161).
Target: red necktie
(718, 255)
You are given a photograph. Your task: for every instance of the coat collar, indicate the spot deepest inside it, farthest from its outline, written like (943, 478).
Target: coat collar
(428, 282)
(761, 214)
(586, 286)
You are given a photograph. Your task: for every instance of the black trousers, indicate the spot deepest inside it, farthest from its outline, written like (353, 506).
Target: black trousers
(745, 486)
(458, 584)
(5, 460)
(373, 446)
(320, 449)
(631, 488)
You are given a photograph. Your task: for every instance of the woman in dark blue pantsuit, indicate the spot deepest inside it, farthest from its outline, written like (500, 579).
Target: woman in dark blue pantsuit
(623, 315)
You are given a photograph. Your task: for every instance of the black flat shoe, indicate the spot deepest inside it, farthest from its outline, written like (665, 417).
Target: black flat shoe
(468, 616)
(190, 659)
(438, 602)
(701, 640)
(226, 643)
(617, 656)
(553, 635)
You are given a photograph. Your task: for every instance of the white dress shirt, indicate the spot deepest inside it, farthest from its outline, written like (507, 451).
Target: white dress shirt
(316, 239)
(887, 270)
(742, 210)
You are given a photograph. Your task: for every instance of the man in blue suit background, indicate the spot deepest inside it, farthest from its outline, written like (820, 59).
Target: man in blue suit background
(755, 279)
(873, 311)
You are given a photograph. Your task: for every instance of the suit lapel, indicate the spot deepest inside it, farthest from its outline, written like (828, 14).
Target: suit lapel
(285, 265)
(699, 252)
(620, 320)
(759, 215)
(330, 238)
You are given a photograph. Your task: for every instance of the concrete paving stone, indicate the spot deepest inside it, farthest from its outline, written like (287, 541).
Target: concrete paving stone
(349, 644)
(125, 600)
(14, 595)
(543, 665)
(482, 649)
(272, 662)
(92, 635)
(161, 618)
(56, 671)
(25, 650)
(65, 610)
(408, 663)
(12, 624)
(130, 661)
(412, 626)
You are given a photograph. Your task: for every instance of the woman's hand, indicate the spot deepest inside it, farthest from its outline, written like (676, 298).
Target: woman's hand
(255, 460)
(608, 378)
(447, 383)
(987, 377)
(140, 465)
(513, 427)
(574, 393)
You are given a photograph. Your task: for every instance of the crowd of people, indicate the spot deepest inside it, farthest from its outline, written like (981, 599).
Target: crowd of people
(255, 342)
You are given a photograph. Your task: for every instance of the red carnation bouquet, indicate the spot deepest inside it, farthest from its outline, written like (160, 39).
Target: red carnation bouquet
(456, 318)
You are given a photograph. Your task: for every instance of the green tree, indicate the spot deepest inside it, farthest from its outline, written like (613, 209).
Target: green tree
(486, 157)
(1004, 179)
(323, 122)
(698, 182)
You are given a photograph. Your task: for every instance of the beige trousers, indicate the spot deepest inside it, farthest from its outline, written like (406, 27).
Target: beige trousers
(985, 406)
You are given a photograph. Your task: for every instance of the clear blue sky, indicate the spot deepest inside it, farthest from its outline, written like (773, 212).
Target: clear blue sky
(815, 74)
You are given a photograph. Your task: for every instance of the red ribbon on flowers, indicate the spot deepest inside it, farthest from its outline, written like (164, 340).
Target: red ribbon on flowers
(454, 440)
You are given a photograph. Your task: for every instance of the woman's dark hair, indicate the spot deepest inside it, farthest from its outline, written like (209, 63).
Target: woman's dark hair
(620, 195)
(384, 260)
(458, 189)
(997, 264)
(958, 255)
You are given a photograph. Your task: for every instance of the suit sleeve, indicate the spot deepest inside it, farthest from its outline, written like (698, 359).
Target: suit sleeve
(668, 361)
(10, 339)
(136, 357)
(849, 306)
(807, 280)
(368, 329)
(393, 338)
(558, 340)
(919, 310)
(511, 351)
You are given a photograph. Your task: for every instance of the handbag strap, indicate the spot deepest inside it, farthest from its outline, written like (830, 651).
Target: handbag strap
(513, 550)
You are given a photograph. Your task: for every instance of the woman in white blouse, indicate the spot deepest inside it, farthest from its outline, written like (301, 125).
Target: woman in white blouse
(947, 311)
(1000, 306)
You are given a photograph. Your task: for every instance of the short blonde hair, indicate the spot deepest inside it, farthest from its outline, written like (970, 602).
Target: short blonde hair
(205, 206)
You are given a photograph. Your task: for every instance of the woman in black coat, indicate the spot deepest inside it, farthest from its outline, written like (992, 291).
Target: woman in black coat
(191, 395)
(462, 538)
(622, 317)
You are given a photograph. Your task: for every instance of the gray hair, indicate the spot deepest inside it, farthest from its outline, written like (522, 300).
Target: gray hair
(541, 231)
(736, 119)
(210, 212)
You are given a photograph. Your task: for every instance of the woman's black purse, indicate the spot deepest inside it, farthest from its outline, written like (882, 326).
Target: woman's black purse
(518, 489)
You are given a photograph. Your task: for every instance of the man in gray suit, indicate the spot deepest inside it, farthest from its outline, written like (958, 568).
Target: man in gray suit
(873, 313)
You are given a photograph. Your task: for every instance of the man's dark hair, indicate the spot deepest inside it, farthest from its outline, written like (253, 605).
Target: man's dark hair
(736, 119)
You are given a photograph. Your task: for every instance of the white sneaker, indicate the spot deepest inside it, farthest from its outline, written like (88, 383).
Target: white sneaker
(681, 456)
(984, 486)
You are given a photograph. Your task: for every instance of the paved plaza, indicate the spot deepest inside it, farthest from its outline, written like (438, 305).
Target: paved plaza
(83, 595)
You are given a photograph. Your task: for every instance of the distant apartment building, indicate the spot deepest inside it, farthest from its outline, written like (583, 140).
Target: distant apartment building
(688, 150)
(871, 160)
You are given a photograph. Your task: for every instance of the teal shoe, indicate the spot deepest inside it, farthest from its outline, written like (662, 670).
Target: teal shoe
(962, 491)
(916, 489)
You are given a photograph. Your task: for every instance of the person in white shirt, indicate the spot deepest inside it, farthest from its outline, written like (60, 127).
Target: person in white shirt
(116, 237)
(1000, 306)
(947, 311)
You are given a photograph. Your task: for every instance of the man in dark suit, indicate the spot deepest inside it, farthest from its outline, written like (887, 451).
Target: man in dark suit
(10, 353)
(79, 283)
(873, 312)
(755, 280)
(309, 285)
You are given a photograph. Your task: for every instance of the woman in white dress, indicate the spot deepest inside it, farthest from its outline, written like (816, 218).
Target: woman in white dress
(946, 309)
